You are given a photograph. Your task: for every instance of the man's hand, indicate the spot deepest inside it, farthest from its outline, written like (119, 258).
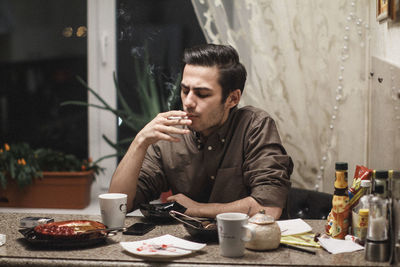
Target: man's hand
(162, 128)
(191, 205)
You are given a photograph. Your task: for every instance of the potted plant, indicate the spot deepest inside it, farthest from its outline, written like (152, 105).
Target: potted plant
(44, 178)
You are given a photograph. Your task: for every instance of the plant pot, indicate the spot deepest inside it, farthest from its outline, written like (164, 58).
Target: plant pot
(58, 190)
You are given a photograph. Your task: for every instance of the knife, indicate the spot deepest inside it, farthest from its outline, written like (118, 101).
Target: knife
(107, 230)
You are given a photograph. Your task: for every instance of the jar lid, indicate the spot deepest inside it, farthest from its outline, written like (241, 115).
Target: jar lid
(341, 166)
(261, 218)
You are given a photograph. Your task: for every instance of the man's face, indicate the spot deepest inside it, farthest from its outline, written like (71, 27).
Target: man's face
(202, 98)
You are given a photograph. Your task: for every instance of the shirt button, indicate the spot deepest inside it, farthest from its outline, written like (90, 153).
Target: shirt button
(198, 146)
(223, 140)
(212, 177)
(209, 148)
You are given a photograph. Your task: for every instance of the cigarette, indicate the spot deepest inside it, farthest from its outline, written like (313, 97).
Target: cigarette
(177, 117)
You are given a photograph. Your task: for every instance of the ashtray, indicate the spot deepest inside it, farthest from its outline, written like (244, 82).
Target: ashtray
(160, 212)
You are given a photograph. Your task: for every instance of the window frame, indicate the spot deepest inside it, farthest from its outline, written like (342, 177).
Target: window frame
(101, 53)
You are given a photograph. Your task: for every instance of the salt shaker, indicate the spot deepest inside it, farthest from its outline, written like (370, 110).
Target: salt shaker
(377, 245)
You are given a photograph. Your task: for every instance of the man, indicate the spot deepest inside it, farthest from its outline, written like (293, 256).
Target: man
(213, 156)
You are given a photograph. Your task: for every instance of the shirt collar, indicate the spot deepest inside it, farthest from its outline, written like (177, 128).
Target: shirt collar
(221, 131)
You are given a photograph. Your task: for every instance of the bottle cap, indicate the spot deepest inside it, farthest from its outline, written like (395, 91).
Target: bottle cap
(365, 183)
(379, 189)
(363, 212)
(341, 166)
(381, 174)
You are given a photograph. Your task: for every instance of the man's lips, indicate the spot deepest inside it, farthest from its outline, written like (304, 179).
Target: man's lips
(191, 116)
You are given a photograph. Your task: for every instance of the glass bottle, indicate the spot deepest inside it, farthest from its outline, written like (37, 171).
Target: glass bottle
(395, 188)
(340, 201)
(360, 212)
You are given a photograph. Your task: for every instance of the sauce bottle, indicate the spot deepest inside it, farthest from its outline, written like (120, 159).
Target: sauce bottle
(340, 203)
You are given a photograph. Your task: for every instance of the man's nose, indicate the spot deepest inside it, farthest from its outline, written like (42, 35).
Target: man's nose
(189, 101)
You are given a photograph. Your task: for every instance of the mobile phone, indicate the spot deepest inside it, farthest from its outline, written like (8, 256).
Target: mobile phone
(139, 228)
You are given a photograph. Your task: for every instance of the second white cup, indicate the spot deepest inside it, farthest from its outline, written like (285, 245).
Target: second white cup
(233, 231)
(113, 209)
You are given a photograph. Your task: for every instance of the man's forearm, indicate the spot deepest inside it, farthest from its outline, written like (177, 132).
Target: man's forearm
(245, 205)
(126, 175)
(210, 210)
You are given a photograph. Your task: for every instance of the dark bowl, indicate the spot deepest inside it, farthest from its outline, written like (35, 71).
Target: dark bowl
(201, 229)
(160, 212)
(202, 234)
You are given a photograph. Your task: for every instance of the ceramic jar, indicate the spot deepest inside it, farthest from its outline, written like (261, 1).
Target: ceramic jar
(267, 234)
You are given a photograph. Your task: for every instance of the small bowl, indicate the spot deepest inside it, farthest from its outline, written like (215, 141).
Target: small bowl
(203, 229)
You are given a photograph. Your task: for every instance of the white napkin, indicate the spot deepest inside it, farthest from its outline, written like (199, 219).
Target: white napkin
(2, 239)
(336, 246)
(293, 227)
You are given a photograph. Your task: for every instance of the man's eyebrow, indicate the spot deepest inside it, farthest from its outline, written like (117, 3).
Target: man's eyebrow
(196, 88)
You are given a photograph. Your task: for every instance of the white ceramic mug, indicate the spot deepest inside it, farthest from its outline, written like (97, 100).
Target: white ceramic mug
(113, 209)
(233, 231)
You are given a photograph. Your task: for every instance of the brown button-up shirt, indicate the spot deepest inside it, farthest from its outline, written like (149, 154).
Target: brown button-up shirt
(244, 157)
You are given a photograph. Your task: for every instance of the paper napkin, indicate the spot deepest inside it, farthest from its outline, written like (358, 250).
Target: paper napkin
(336, 246)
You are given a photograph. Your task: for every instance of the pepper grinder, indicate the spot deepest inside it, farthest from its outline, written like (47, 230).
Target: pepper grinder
(377, 245)
(396, 217)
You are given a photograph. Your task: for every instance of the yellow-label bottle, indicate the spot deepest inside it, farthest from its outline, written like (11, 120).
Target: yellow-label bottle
(340, 201)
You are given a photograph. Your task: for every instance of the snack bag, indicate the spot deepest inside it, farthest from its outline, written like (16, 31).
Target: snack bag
(339, 218)
(355, 192)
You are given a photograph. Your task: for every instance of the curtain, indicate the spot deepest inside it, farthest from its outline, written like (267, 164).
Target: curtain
(306, 63)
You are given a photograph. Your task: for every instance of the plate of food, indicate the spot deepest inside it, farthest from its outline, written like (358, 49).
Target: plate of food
(166, 246)
(160, 212)
(68, 234)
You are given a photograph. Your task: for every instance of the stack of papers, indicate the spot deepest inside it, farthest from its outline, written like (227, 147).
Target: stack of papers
(297, 232)
(293, 227)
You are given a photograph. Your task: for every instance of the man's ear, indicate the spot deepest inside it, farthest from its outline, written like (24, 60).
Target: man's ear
(234, 98)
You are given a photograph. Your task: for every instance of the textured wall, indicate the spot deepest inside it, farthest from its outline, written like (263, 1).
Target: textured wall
(307, 64)
(384, 144)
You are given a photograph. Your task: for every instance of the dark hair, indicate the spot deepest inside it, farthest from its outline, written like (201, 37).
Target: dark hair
(232, 73)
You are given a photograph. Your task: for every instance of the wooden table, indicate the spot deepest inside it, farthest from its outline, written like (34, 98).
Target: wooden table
(17, 252)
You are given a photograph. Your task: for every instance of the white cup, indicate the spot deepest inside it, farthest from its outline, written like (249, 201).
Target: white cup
(113, 209)
(233, 231)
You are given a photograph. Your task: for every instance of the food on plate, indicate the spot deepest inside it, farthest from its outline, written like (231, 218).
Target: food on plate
(70, 229)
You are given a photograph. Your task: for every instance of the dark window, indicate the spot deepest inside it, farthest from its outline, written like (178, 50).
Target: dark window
(41, 53)
(162, 29)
